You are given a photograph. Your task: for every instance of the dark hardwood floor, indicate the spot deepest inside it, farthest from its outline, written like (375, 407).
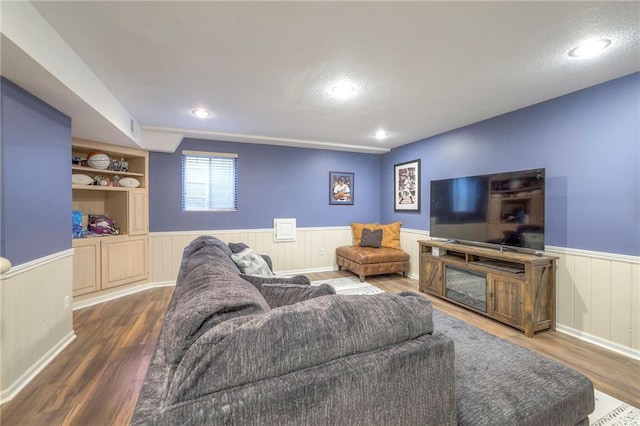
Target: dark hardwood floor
(97, 378)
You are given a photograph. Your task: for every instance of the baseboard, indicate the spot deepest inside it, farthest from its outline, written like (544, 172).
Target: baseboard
(12, 390)
(101, 298)
(304, 271)
(606, 344)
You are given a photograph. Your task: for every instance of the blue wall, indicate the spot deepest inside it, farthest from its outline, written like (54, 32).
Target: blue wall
(36, 177)
(589, 143)
(273, 182)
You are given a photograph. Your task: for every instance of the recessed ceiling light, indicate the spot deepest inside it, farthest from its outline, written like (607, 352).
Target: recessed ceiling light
(343, 90)
(380, 134)
(201, 113)
(590, 48)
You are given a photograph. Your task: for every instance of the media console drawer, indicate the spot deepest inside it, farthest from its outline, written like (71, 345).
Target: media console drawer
(517, 289)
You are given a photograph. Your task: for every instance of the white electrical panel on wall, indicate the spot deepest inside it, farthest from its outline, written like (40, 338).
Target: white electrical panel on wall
(284, 230)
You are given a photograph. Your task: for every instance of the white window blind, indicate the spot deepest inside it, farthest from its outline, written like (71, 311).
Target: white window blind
(209, 181)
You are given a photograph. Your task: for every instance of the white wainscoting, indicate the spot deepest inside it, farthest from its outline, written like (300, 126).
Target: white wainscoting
(300, 256)
(597, 297)
(35, 324)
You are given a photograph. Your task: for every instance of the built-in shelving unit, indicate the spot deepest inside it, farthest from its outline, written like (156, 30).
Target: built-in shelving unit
(515, 288)
(104, 262)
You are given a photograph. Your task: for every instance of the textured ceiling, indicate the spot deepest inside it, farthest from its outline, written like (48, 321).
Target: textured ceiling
(264, 68)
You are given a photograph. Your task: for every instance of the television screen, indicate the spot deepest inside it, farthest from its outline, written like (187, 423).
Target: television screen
(505, 209)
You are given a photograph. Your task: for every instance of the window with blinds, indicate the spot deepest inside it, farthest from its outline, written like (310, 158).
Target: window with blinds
(209, 181)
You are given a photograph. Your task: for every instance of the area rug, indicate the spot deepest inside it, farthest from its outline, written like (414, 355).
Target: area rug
(611, 412)
(349, 285)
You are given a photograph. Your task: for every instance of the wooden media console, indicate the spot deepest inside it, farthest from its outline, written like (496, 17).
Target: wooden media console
(514, 288)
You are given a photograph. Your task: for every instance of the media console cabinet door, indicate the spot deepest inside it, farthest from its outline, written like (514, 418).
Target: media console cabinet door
(431, 275)
(124, 261)
(507, 299)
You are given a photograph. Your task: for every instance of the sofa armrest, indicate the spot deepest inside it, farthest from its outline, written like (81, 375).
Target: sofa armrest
(296, 337)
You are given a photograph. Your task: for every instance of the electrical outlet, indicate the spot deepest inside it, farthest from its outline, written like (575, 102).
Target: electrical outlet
(67, 303)
(321, 252)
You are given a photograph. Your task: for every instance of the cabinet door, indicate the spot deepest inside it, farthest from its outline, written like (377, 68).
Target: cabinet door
(506, 300)
(138, 212)
(124, 261)
(86, 266)
(431, 275)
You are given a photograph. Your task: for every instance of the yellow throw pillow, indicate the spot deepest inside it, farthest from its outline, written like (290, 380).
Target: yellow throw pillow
(390, 234)
(356, 229)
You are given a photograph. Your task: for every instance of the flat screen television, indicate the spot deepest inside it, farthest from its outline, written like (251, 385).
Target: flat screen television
(499, 209)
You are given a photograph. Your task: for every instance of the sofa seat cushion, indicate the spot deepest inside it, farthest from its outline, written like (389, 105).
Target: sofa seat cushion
(292, 338)
(500, 383)
(371, 255)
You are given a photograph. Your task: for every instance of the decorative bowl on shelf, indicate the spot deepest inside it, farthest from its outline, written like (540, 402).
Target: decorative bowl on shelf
(129, 182)
(98, 160)
(80, 179)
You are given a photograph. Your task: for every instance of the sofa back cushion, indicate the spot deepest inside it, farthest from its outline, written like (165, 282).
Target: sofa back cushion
(210, 291)
(294, 337)
(287, 294)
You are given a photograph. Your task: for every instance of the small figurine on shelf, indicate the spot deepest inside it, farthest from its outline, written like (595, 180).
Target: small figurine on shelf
(102, 181)
(115, 165)
(124, 165)
(115, 180)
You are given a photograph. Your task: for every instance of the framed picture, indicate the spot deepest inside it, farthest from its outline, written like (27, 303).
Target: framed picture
(341, 188)
(406, 179)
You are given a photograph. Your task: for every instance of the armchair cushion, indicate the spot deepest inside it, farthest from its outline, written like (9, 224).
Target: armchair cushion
(390, 233)
(371, 238)
(356, 230)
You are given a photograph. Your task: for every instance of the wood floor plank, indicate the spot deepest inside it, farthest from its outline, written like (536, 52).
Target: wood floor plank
(97, 378)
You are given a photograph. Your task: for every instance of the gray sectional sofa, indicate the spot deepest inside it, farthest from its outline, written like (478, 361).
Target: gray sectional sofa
(274, 351)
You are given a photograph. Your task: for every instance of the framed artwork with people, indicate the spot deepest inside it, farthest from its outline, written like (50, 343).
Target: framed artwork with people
(341, 188)
(407, 186)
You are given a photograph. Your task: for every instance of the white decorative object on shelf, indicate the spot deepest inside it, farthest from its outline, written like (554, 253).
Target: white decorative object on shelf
(81, 179)
(129, 182)
(98, 160)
